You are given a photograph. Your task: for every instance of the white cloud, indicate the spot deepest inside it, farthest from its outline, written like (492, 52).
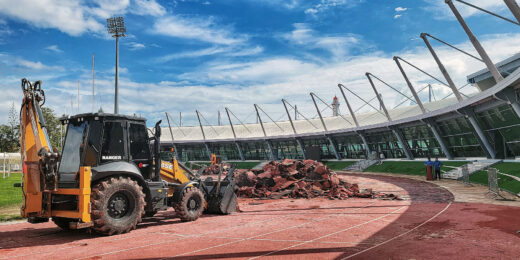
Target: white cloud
(247, 51)
(397, 16)
(264, 81)
(75, 17)
(199, 29)
(134, 46)
(35, 65)
(67, 16)
(325, 5)
(442, 10)
(53, 48)
(400, 9)
(339, 46)
(4, 30)
(285, 4)
(148, 7)
(231, 51)
(192, 54)
(108, 8)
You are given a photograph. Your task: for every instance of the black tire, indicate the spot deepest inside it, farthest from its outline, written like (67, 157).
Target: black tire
(117, 205)
(63, 223)
(191, 204)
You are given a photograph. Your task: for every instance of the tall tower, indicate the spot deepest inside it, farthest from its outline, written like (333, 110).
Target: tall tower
(335, 106)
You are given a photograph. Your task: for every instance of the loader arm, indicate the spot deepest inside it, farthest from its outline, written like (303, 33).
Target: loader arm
(39, 160)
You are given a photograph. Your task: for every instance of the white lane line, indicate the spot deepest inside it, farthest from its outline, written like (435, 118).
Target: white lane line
(330, 234)
(200, 235)
(403, 234)
(289, 240)
(268, 233)
(138, 235)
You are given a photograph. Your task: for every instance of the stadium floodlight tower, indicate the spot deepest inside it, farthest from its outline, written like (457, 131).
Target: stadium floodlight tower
(116, 27)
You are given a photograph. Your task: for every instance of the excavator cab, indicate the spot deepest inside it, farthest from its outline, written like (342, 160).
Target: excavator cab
(109, 173)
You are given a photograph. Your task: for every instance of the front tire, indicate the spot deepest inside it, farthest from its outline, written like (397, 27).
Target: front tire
(191, 204)
(117, 205)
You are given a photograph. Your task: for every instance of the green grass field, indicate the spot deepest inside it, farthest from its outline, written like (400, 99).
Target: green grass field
(409, 168)
(240, 165)
(338, 165)
(9, 195)
(10, 198)
(504, 182)
(244, 165)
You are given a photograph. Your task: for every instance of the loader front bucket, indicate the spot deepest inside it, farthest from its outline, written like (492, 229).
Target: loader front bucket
(221, 195)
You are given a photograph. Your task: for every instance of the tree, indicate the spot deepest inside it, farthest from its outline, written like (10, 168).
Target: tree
(8, 140)
(13, 119)
(53, 127)
(9, 134)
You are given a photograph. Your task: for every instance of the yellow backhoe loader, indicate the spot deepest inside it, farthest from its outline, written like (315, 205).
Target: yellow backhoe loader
(107, 176)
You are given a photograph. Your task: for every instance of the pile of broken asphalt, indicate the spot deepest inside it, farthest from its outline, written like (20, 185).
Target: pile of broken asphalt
(298, 179)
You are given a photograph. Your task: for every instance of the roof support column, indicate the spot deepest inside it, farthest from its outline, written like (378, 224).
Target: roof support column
(481, 135)
(403, 143)
(410, 86)
(302, 148)
(516, 108)
(491, 66)
(378, 96)
(208, 151)
(298, 141)
(445, 73)
(334, 147)
(239, 149)
(271, 155)
(367, 148)
(176, 154)
(513, 6)
(319, 112)
(289, 116)
(435, 129)
(510, 95)
(340, 86)
(240, 153)
(332, 144)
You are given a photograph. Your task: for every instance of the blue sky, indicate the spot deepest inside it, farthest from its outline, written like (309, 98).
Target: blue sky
(182, 55)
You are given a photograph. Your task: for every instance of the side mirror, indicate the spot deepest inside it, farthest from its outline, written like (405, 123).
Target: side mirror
(158, 128)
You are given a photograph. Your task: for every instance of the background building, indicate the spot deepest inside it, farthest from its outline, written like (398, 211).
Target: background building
(485, 124)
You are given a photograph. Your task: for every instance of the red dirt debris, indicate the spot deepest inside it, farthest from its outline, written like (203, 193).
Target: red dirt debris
(214, 169)
(298, 179)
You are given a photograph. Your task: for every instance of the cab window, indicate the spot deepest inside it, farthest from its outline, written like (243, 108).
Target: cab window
(93, 147)
(139, 149)
(113, 147)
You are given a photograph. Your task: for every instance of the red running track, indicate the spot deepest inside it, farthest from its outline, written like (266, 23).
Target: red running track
(425, 225)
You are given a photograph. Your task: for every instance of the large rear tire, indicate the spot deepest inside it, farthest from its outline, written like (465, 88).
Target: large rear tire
(117, 205)
(191, 205)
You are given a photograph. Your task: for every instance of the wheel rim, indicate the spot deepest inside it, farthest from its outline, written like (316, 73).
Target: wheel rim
(119, 205)
(194, 204)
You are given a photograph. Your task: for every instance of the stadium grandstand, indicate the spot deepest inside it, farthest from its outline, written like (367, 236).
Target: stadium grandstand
(483, 124)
